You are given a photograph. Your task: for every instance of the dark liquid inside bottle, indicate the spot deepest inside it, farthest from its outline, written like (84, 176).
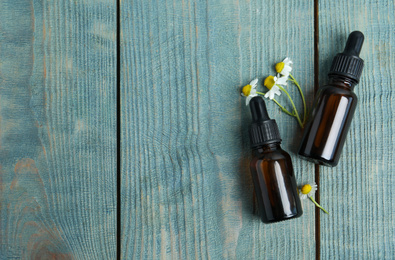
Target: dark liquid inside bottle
(275, 184)
(326, 132)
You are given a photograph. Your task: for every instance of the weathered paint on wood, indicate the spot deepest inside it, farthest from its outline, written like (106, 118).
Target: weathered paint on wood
(358, 193)
(186, 187)
(57, 129)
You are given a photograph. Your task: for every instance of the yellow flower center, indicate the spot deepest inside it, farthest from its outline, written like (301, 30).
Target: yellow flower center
(306, 189)
(269, 82)
(246, 90)
(279, 66)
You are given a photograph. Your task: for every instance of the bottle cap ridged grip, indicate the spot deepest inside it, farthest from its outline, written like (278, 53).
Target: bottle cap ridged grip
(264, 133)
(263, 130)
(348, 63)
(348, 66)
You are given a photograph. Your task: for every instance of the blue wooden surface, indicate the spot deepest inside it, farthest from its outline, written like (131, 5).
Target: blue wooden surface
(359, 191)
(186, 191)
(186, 186)
(57, 129)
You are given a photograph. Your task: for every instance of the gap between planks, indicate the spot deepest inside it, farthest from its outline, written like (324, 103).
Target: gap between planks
(118, 73)
(317, 167)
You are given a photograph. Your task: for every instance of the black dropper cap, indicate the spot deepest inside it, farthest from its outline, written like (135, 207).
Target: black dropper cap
(348, 63)
(263, 129)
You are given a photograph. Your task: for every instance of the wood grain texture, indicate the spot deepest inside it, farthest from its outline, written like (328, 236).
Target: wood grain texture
(186, 187)
(57, 129)
(358, 193)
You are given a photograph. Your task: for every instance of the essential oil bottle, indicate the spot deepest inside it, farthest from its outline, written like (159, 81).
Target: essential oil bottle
(333, 110)
(271, 169)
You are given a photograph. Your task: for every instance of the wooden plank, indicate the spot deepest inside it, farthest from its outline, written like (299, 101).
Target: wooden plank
(186, 188)
(57, 129)
(358, 193)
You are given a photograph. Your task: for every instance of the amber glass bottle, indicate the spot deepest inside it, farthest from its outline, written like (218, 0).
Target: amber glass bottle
(271, 169)
(334, 107)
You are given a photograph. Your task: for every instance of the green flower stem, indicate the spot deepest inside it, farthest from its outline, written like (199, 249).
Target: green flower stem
(296, 114)
(318, 205)
(275, 101)
(301, 94)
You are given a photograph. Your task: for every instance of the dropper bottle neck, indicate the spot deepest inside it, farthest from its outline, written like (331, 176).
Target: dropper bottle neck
(267, 148)
(342, 82)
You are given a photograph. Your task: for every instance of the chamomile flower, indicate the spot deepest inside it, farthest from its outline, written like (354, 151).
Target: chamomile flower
(284, 67)
(275, 86)
(308, 191)
(271, 83)
(249, 91)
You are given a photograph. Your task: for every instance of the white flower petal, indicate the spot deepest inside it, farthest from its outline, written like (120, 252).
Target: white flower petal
(248, 100)
(276, 90)
(253, 83)
(314, 188)
(272, 92)
(269, 95)
(287, 61)
(282, 80)
(311, 193)
(302, 196)
(287, 68)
